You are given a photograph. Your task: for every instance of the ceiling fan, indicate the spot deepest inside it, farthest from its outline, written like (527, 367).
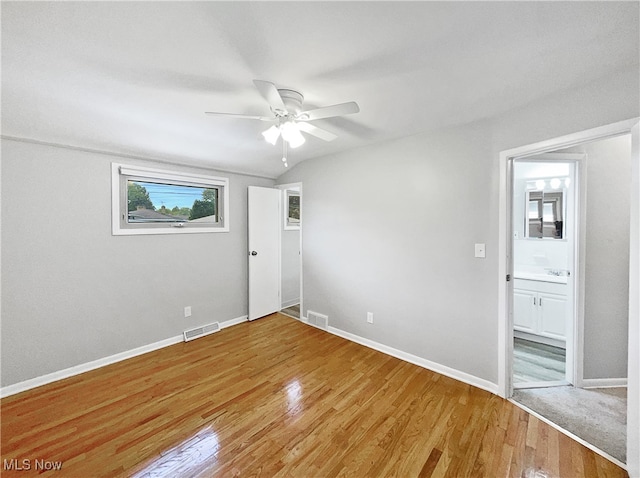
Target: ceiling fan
(289, 118)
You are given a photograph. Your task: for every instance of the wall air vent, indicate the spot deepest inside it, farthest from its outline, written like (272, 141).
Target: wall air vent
(317, 320)
(201, 331)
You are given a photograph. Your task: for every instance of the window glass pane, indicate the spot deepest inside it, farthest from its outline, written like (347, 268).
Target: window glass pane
(150, 202)
(293, 216)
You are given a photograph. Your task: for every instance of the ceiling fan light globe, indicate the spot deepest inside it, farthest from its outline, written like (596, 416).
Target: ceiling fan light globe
(291, 134)
(296, 141)
(271, 135)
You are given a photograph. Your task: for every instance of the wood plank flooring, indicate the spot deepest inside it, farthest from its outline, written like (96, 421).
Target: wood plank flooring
(276, 397)
(535, 362)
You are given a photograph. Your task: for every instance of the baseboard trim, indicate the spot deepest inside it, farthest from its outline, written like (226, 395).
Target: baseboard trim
(419, 361)
(550, 383)
(289, 303)
(232, 322)
(102, 362)
(540, 339)
(86, 367)
(603, 382)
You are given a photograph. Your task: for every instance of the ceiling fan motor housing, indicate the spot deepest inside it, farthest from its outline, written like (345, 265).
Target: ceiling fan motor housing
(292, 99)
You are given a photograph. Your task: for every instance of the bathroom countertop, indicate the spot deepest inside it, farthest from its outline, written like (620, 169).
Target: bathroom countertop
(540, 277)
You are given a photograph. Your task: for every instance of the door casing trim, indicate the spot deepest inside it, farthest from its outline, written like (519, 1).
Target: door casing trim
(505, 256)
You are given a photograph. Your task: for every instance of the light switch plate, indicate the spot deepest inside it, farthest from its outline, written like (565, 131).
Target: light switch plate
(480, 250)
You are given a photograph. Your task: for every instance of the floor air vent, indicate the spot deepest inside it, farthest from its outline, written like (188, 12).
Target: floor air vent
(317, 320)
(201, 331)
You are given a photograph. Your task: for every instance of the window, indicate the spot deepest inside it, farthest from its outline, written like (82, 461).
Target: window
(292, 209)
(152, 201)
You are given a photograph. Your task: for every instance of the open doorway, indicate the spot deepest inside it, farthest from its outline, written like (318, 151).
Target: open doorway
(603, 300)
(544, 234)
(291, 255)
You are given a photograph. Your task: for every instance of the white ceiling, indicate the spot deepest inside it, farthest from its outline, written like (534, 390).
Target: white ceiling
(136, 77)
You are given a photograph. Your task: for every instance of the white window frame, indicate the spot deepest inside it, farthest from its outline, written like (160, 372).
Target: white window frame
(121, 173)
(290, 226)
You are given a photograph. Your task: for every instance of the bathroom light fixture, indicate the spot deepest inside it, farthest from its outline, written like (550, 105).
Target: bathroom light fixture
(555, 183)
(540, 184)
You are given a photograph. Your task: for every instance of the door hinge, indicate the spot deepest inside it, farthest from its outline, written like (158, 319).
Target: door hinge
(508, 277)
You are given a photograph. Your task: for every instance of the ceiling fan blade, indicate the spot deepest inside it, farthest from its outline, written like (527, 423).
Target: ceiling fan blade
(233, 115)
(315, 131)
(270, 93)
(330, 111)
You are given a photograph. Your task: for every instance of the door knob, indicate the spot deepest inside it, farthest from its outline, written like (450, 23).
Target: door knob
(254, 253)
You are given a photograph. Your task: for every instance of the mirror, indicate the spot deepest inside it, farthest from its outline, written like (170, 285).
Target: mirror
(544, 212)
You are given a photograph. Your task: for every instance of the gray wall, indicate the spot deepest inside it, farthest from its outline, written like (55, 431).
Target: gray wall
(390, 229)
(290, 287)
(73, 293)
(606, 311)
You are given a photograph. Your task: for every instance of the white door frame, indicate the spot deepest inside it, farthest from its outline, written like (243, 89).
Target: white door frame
(505, 266)
(299, 186)
(633, 370)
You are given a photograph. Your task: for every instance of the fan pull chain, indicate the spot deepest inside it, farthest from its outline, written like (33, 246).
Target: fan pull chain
(284, 153)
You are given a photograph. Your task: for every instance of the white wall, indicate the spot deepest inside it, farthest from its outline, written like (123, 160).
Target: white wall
(390, 228)
(73, 293)
(535, 256)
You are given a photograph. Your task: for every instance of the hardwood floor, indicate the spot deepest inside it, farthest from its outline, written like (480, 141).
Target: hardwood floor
(276, 397)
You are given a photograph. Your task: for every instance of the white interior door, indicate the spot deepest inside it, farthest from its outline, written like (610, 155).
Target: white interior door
(264, 251)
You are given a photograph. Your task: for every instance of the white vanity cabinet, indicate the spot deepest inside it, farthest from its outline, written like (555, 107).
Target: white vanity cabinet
(540, 308)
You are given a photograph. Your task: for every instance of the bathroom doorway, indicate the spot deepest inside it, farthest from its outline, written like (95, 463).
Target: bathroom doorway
(544, 220)
(592, 405)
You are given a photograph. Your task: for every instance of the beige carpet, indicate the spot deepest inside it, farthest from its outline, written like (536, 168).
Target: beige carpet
(293, 311)
(598, 416)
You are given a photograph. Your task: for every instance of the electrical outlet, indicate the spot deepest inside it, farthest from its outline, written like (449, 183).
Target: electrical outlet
(187, 311)
(370, 317)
